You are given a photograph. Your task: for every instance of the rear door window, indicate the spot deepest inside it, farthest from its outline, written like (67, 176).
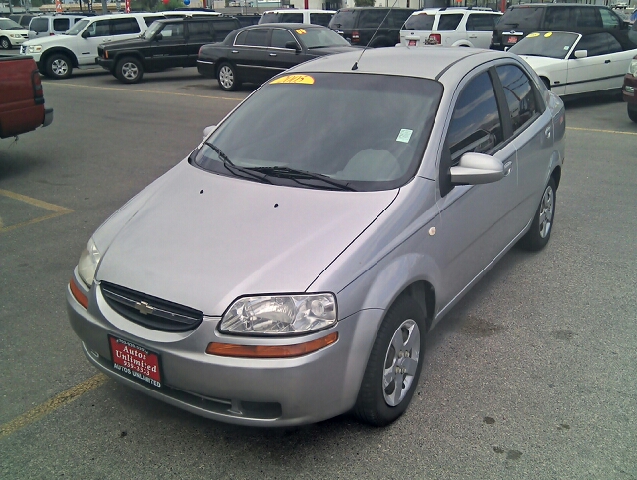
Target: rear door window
(449, 22)
(291, 18)
(524, 18)
(39, 25)
(557, 18)
(520, 95)
(372, 18)
(257, 37)
(199, 31)
(609, 19)
(320, 18)
(122, 26)
(586, 17)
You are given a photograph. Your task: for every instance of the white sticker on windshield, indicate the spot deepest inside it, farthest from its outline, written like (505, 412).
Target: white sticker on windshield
(404, 135)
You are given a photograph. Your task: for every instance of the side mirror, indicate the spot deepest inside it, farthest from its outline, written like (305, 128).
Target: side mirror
(292, 45)
(476, 169)
(158, 37)
(581, 53)
(208, 130)
(86, 34)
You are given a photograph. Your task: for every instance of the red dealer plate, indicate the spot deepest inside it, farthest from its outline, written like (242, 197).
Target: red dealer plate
(135, 361)
(512, 39)
(412, 43)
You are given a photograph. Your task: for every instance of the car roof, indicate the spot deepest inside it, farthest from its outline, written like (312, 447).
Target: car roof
(300, 10)
(289, 26)
(421, 62)
(450, 10)
(547, 5)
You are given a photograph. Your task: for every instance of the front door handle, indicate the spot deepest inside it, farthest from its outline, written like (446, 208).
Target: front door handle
(273, 54)
(547, 132)
(607, 61)
(507, 168)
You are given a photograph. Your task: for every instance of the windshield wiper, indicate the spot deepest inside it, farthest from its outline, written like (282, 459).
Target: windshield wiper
(232, 168)
(296, 175)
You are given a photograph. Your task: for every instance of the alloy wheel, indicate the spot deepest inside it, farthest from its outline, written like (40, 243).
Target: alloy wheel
(226, 77)
(546, 212)
(401, 362)
(130, 71)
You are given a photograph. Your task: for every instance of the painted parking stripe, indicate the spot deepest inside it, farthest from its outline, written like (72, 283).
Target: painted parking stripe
(51, 405)
(55, 210)
(619, 132)
(154, 92)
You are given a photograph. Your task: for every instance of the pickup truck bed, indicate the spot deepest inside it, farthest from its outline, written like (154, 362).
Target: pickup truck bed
(21, 97)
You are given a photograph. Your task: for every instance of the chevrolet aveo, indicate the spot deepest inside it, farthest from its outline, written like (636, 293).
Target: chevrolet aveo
(290, 268)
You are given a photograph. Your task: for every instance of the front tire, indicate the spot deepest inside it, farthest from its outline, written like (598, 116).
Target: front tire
(227, 77)
(129, 70)
(59, 67)
(538, 235)
(632, 112)
(394, 365)
(5, 43)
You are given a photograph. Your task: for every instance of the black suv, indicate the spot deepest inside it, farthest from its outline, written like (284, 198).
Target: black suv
(362, 25)
(166, 44)
(520, 20)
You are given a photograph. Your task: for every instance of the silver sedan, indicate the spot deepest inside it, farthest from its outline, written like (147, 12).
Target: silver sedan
(290, 268)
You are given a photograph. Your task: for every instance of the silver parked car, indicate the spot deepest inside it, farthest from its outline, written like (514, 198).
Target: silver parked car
(290, 268)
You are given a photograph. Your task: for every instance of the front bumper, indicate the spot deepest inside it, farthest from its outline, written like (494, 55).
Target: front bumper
(629, 90)
(257, 392)
(106, 63)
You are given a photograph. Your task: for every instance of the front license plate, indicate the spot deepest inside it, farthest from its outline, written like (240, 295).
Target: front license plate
(412, 43)
(135, 361)
(512, 39)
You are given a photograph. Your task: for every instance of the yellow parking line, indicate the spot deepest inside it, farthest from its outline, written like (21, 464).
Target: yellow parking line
(619, 132)
(57, 210)
(51, 405)
(73, 85)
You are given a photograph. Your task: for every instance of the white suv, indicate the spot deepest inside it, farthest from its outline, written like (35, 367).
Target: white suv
(451, 27)
(57, 55)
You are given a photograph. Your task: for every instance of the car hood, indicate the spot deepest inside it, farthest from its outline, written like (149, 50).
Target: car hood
(543, 62)
(319, 52)
(47, 40)
(201, 239)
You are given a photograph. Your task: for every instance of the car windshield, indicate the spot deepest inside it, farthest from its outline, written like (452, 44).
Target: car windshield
(327, 130)
(152, 30)
(78, 27)
(321, 37)
(7, 24)
(546, 44)
(420, 21)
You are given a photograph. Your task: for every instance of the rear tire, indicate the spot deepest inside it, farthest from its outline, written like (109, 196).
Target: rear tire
(538, 235)
(227, 77)
(58, 66)
(632, 113)
(394, 365)
(129, 70)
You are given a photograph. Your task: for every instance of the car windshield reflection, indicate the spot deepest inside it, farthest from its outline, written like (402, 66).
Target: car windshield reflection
(546, 44)
(367, 132)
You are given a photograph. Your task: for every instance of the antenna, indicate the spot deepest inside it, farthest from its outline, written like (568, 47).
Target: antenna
(355, 66)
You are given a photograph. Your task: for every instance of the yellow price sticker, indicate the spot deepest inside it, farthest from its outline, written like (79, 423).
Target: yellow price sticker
(295, 79)
(301, 31)
(548, 34)
(534, 34)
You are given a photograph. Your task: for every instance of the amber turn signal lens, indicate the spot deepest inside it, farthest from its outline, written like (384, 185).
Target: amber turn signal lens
(78, 294)
(270, 351)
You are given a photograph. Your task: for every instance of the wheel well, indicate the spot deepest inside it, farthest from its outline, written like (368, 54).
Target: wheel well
(135, 55)
(546, 81)
(424, 294)
(63, 51)
(556, 174)
(220, 63)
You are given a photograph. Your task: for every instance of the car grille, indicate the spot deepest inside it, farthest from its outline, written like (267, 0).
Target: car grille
(150, 312)
(23, 49)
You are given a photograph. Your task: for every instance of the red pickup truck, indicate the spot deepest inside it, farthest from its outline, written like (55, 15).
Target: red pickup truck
(21, 97)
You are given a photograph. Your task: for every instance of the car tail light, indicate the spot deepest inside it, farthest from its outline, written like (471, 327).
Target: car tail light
(355, 37)
(36, 82)
(435, 38)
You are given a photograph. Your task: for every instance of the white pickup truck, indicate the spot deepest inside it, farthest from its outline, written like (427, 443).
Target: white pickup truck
(450, 27)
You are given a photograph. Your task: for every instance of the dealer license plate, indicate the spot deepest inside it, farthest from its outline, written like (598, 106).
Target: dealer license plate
(412, 43)
(135, 361)
(512, 39)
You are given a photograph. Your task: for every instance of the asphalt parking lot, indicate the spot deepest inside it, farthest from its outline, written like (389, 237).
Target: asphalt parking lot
(531, 375)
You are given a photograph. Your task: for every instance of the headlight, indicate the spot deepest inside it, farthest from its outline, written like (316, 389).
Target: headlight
(632, 69)
(89, 260)
(15, 35)
(34, 49)
(280, 314)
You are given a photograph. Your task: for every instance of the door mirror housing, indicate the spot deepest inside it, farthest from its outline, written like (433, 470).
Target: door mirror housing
(476, 169)
(208, 130)
(581, 53)
(158, 37)
(86, 34)
(292, 45)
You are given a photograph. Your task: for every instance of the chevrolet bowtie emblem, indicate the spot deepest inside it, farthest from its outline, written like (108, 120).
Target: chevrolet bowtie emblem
(143, 308)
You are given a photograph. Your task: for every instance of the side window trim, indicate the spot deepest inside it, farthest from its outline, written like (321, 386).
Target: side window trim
(503, 106)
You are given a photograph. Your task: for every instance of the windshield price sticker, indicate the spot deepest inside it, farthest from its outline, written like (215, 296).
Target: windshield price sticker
(548, 34)
(404, 135)
(135, 361)
(296, 79)
(301, 31)
(533, 35)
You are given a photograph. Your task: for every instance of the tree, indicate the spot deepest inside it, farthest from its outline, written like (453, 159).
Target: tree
(364, 3)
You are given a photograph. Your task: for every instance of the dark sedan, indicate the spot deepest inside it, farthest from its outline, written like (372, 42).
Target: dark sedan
(257, 53)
